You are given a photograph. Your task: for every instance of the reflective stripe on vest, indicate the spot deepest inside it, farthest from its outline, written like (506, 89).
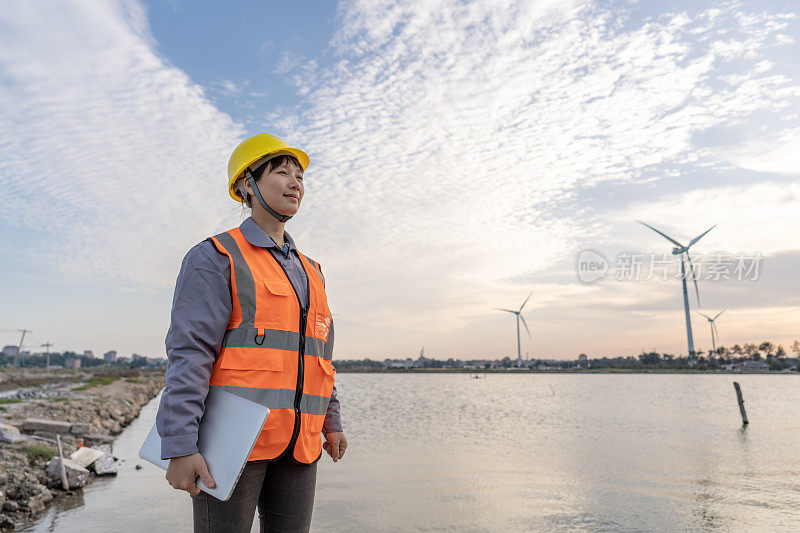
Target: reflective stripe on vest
(250, 337)
(280, 398)
(260, 355)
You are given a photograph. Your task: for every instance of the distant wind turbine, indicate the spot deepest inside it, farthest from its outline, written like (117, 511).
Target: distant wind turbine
(714, 330)
(519, 317)
(680, 250)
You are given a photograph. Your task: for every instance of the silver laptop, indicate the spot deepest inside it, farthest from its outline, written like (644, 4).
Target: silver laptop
(228, 431)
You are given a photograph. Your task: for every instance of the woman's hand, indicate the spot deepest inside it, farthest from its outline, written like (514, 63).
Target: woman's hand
(335, 444)
(184, 471)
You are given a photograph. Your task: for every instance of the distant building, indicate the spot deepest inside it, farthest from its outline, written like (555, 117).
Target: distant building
(88, 353)
(583, 361)
(753, 366)
(110, 356)
(10, 350)
(72, 362)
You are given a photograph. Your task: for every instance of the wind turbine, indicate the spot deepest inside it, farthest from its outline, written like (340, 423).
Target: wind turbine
(680, 250)
(714, 330)
(519, 316)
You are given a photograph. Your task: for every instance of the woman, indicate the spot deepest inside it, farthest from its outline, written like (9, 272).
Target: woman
(250, 315)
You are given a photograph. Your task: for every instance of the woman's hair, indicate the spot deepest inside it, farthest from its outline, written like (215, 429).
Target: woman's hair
(259, 170)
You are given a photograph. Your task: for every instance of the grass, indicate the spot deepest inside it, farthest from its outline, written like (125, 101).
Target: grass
(39, 451)
(132, 380)
(62, 400)
(10, 400)
(95, 382)
(3, 408)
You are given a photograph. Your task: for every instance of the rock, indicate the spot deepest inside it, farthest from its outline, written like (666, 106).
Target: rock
(76, 474)
(81, 428)
(6, 522)
(97, 438)
(105, 465)
(9, 433)
(138, 467)
(23, 486)
(10, 506)
(45, 425)
(36, 503)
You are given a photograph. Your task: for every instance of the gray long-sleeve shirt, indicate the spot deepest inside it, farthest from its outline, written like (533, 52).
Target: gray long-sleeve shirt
(201, 310)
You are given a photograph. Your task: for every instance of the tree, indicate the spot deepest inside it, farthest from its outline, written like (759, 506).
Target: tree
(767, 348)
(650, 358)
(796, 348)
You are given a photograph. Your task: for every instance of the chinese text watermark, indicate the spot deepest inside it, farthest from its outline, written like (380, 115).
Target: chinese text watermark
(635, 266)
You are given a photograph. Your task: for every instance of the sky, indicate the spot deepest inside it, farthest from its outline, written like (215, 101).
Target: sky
(464, 154)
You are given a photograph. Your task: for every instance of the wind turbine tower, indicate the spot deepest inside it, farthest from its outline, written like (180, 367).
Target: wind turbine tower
(519, 317)
(682, 250)
(714, 330)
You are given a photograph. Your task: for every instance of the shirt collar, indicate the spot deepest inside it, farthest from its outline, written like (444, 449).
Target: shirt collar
(257, 237)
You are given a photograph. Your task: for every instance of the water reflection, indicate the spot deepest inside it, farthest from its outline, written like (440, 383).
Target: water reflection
(520, 453)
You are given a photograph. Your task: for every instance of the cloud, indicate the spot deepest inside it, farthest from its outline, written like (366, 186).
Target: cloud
(112, 161)
(449, 139)
(762, 217)
(779, 154)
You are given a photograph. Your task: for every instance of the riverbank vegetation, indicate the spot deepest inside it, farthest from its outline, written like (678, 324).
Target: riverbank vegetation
(749, 357)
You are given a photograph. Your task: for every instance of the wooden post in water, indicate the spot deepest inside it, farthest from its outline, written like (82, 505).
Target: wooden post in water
(741, 402)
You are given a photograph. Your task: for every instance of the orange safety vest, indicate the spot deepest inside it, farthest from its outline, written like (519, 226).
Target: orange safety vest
(274, 351)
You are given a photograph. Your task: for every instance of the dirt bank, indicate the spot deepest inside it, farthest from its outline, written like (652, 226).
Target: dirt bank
(102, 405)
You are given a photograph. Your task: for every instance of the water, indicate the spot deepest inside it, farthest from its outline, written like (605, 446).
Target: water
(518, 452)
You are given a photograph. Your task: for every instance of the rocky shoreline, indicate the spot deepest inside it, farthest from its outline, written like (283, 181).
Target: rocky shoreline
(81, 409)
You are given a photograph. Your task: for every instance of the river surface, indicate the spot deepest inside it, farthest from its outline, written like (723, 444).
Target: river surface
(516, 452)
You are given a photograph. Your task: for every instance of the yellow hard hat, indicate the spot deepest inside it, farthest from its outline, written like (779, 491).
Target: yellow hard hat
(255, 149)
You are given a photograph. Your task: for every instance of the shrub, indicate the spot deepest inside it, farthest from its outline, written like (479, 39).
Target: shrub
(94, 382)
(10, 400)
(38, 451)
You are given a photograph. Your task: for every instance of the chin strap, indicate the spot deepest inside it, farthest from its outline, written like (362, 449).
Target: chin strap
(281, 218)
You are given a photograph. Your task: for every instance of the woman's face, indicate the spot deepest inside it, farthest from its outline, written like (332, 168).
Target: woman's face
(282, 188)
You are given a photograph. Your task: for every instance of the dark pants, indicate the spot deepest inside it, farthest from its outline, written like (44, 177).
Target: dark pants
(283, 491)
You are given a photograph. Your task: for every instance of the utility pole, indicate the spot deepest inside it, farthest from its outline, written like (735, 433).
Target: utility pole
(48, 345)
(19, 349)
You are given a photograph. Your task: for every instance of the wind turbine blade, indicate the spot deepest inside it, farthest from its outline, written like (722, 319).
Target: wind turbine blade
(526, 326)
(700, 236)
(670, 239)
(694, 278)
(506, 310)
(719, 314)
(705, 315)
(526, 301)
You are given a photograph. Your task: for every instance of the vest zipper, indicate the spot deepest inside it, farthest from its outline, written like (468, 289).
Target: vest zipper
(300, 374)
(300, 363)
